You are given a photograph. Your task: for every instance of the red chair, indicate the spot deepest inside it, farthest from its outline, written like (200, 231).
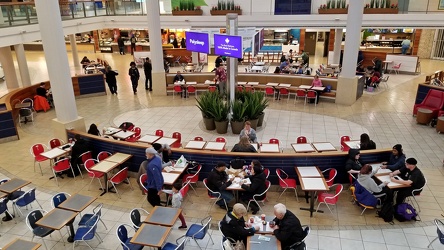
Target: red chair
(159, 132)
(269, 91)
(53, 143)
(284, 91)
(118, 178)
(328, 198)
(177, 89)
(286, 183)
(212, 88)
(301, 93)
(311, 94)
(433, 101)
(344, 146)
(266, 172)
(178, 143)
(216, 196)
(36, 150)
(83, 157)
(136, 136)
(274, 141)
(142, 180)
(192, 178)
(240, 89)
(103, 155)
(221, 139)
(396, 68)
(198, 138)
(331, 176)
(256, 198)
(191, 89)
(60, 166)
(249, 89)
(91, 173)
(183, 191)
(301, 139)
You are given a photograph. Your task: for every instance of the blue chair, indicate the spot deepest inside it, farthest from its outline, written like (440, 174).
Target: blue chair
(57, 199)
(177, 246)
(87, 233)
(4, 209)
(135, 217)
(198, 231)
(87, 218)
(122, 234)
(26, 199)
(38, 231)
(14, 195)
(440, 231)
(306, 233)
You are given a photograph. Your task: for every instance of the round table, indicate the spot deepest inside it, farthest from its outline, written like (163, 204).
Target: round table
(440, 124)
(424, 116)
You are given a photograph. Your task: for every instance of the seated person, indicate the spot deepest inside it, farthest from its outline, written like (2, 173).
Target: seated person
(218, 181)
(377, 65)
(41, 90)
(284, 67)
(164, 152)
(287, 229)
(178, 77)
(317, 83)
(397, 159)
(277, 70)
(257, 186)
(366, 143)
(244, 145)
(41, 103)
(300, 70)
(374, 79)
(233, 224)
(289, 56)
(412, 176)
(85, 62)
(353, 164)
(80, 146)
(248, 132)
(365, 179)
(93, 130)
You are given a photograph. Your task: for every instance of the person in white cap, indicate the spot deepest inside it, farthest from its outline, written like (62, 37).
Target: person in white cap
(155, 179)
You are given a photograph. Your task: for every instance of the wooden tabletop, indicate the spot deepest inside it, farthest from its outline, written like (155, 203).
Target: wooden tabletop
(54, 153)
(19, 244)
(253, 243)
(313, 184)
(118, 157)
(151, 235)
(164, 216)
(308, 171)
(166, 140)
(270, 148)
(195, 144)
(170, 178)
(104, 166)
(2, 194)
(56, 218)
(303, 147)
(149, 138)
(391, 185)
(13, 185)
(212, 145)
(77, 202)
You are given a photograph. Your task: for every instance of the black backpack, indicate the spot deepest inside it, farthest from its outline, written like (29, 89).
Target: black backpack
(387, 212)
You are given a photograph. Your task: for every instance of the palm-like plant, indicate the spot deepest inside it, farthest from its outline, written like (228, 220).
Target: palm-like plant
(239, 110)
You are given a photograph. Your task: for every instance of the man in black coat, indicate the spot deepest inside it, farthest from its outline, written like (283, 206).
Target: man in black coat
(147, 68)
(287, 229)
(218, 181)
(257, 186)
(233, 224)
(80, 146)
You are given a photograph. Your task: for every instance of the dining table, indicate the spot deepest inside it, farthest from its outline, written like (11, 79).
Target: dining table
(20, 244)
(311, 180)
(166, 140)
(195, 145)
(323, 146)
(151, 235)
(105, 167)
(13, 185)
(149, 138)
(77, 202)
(270, 148)
(303, 147)
(163, 216)
(261, 242)
(58, 218)
(215, 146)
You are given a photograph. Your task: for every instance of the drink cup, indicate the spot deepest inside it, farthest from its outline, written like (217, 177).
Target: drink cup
(251, 220)
(262, 216)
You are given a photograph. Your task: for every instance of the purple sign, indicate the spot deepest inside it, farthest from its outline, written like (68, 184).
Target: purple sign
(198, 42)
(226, 45)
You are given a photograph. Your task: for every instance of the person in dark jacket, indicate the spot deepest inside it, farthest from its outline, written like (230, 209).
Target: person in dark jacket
(147, 68)
(110, 77)
(218, 181)
(257, 186)
(411, 176)
(397, 159)
(93, 130)
(133, 72)
(287, 229)
(366, 143)
(121, 45)
(233, 224)
(244, 145)
(80, 146)
(353, 164)
(154, 173)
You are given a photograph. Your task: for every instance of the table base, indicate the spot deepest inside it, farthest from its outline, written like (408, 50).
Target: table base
(311, 210)
(109, 190)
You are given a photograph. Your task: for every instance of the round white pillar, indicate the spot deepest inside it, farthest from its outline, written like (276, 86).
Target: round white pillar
(75, 54)
(23, 65)
(337, 47)
(8, 67)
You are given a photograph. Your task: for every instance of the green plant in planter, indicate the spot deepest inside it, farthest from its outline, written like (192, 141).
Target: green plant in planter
(204, 103)
(219, 110)
(343, 4)
(253, 100)
(263, 103)
(239, 109)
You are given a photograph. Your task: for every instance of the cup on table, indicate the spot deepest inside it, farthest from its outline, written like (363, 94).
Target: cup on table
(272, 223)
(263, 217)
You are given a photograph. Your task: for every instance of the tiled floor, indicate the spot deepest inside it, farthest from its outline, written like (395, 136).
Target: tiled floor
(385, 115)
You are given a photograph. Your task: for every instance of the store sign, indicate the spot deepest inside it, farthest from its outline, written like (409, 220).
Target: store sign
(226, 45)
(198, 42)
(106, 49)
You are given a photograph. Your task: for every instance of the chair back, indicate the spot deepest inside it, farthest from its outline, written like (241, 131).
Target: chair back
(198, 138)
(62, 165)
(28, 100)
(142, 180)
(194, 178)
(433, 99)
(85, 156)
(177, 88)
(266, 172)
(57, 199)
(344, 146)
(248, 89)
(89, 164)
(103, 155)
(440, 230)
(91, 232)
(184, 190)
(135, 218)
(301, 139)
(210, 192)
(53, 143)
(284, 91)
(202, 232)
(37, 149)
(191, 89)
(4, 180)
(120, 176)
(264, 194)
(279, 173)
(137, 131)
(311, 94)
(300, 92)
(159, 132)
(33, 217)
(269, 91)
(220, 139)
(122, 234)
(212, 88)
(331, 176)
(181, 245)
(274, 141)
(177, 143)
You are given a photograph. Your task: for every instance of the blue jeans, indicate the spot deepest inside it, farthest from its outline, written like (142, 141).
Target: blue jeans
(225, 195)
(404, 49)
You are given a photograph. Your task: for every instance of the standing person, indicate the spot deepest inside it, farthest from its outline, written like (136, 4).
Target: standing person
(175, 43)
(221, 77)
(133, 41)
(134, 75)
(289, 56)
(249, 132)
(121, 45)
(218, 181)
(405, 45)
(366, 143)
(154, 173)
(110, 77)
(176, 201)
(147, 68)
(287, 229)
(183, 43)
(377, 65)
(305, 58)
(217, 63)
(410, 175)
(397, 159)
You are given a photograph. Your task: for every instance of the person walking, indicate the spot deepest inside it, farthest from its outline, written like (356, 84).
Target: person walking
(155, 180)
(134, 75)
(147, 68)
(133, 41)
(110, 77)
(121, 45)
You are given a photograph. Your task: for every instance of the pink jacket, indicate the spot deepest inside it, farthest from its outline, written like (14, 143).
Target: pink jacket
(316, 83)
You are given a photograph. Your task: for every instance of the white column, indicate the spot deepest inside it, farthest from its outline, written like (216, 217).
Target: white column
(8, 67)
(232, 62)
(195, 57)
(75, 54)
(337, 47)
(23, 65)
(158, 73)
(353, 38)
(50, 23)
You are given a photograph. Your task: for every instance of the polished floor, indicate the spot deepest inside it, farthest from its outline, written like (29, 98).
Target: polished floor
(385, 115)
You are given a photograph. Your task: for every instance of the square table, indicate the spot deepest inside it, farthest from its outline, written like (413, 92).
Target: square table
(77, 202)
(313, 184)
(308, 171)
(58, 218)
(149, 138)
(270, 148)
(170, 178)
(323, 146)
(257, 68)
(285, 85)
(254, 145)
(104, 167)
(163, 216)
(304, 86)
(22, 245)
(13, 185)
(195, 144)
(166, 140)
(54, 153)
(118, 157)
(353, 144)
(303, 147)
(151, 235)
(111, 131)
(236, 186)
(259, 63)
(212, 145)
(391, 185)
(253, 243)
(318, 88)
(381, 171)
(263, 229)
(253, 83)
(272, 84)
(123, 134)
(241, 83)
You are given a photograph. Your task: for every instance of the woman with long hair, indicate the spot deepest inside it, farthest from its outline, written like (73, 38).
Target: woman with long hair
(244, 145)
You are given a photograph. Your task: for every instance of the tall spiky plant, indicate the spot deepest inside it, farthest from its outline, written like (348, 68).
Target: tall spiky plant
(372, 4)
(328, 4)
(387, 4)
(343, 4)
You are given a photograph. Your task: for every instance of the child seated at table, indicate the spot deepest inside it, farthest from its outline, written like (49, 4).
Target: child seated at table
(176, 201)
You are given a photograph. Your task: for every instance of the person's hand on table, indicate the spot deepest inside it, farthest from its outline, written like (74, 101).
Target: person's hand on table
(391, 174)
(384, 163)
(383, 166)
(392, 179)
